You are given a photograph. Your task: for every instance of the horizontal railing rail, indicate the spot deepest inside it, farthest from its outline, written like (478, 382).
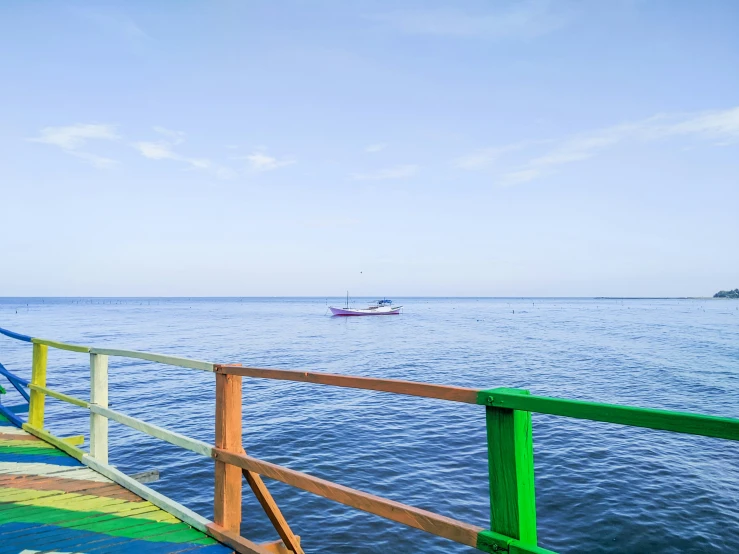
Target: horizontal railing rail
(149, 356)
(510, 447)
(408, 388)
(152, 357)
(648, 418)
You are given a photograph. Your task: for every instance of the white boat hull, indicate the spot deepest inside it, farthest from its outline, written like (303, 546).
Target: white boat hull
(395, 310)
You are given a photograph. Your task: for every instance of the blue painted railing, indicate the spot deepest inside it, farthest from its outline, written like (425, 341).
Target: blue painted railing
(19, 383)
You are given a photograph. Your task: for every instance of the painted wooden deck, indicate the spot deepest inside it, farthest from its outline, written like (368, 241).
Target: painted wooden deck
(50, 502)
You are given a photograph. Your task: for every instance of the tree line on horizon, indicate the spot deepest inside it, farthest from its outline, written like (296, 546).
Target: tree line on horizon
(727, 294)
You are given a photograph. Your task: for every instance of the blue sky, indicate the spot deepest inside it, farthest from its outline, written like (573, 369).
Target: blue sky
(394, 148)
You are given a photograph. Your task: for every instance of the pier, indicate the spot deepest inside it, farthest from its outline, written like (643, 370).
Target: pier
(54, 496)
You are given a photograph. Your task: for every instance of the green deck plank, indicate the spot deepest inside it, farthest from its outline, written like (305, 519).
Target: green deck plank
(162, 537)
(10, 511)
(56, 516)
(70, 519)
(35, 450)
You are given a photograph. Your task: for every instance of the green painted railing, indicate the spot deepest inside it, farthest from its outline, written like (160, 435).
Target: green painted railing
(663, 420)
(510, 452)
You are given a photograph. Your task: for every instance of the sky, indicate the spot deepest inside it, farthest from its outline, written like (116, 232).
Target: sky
(292, 148)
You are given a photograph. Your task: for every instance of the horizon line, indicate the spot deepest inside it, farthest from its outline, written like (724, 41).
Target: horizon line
(359, 296)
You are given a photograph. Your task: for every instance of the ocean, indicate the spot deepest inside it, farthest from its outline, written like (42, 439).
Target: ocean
(600, 488)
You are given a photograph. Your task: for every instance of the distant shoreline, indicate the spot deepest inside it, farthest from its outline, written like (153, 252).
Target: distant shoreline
(653, 298)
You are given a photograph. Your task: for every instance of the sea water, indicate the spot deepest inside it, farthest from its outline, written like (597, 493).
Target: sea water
(599, 487)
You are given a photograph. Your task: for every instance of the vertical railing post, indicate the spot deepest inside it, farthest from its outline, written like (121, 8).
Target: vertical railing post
(38, 377)
(99, 397)
(227, 507)
(511, 470)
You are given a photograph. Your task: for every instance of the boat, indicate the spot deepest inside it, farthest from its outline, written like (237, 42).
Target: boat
(378, 307)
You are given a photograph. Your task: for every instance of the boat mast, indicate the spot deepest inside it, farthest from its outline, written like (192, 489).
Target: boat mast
(347, 300)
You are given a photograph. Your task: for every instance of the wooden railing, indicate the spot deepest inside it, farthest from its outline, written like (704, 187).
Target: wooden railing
(509, 440)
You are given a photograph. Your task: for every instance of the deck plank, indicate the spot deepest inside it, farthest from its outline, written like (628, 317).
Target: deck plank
(45, 536)
(50, 502)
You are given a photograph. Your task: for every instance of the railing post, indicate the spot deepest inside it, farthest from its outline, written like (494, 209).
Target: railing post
(511, 470)
(38, 377)
(227, 508)
(99, 397)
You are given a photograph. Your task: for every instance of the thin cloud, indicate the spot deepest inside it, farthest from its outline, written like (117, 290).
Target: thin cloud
(176, 137)
(375, 147)
(522, 20)
(72, 138)
(155, 150)
(398, 172)
(259, 161)
(720, 126)
(164, 150)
